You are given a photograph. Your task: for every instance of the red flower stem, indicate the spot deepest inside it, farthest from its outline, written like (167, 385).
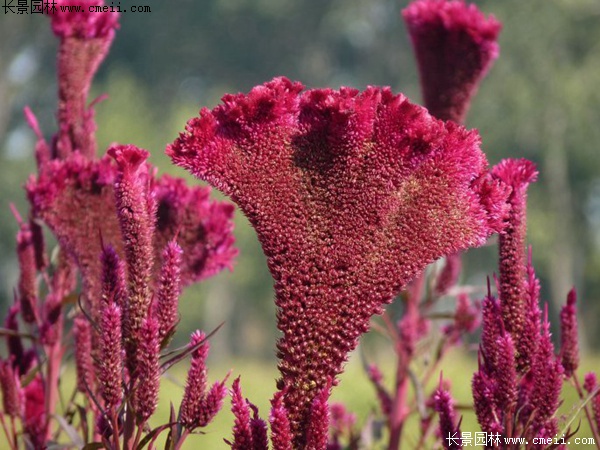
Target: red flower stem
(115, 427)
(595, 433)
(400, 410)
(182, 438)
(129, 427)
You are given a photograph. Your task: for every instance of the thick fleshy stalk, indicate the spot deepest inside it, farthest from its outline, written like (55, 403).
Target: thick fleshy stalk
(569, 340)
(169, 289)
(369, 185)
(85, 38)
(136, 218)
(455, 46)
(516, 173)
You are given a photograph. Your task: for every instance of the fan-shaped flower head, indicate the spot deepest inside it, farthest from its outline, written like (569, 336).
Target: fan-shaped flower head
(76, 198)
(351, 194)
(455, 46)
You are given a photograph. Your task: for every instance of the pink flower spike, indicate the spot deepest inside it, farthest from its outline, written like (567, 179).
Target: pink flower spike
(169, 289)
(42, 150)
(34, 422)
(212, 403)
(242, 431)
(449, 429)
(547, 376)
(569, 340)
(367, 185)
(258, 426)
(12, 394)
(455, 46)
(85, 38)
(114, 289)
(449, 274)
(518, 174)
(82, 332)
(281, 435)
(137, 222)
(317, 432)
(28, 291)
(110, 370)
(147, 370)
(195, 387)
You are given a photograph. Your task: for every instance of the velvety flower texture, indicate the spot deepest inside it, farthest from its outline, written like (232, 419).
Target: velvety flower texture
(85, 38)
(351, 194)
(455, 46)
(76, 198)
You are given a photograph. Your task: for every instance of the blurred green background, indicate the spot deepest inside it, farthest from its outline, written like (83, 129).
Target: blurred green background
(541, 101)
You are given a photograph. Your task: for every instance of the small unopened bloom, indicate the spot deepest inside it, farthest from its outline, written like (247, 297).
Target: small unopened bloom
(281, 435)
(385, 399)
(82, 332)
(14, 343)
(455, 45)
(448, 275)
(569, 341)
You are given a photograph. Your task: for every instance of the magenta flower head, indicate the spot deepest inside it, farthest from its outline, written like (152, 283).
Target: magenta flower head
(85, 37)
(351, 194)
(455, 45)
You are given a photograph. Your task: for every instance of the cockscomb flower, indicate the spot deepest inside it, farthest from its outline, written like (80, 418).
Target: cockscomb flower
(203, 228)
(75, 197)
(512, 289)
(86, 36)
(351, 194)
(569, 341)
(455, 45)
